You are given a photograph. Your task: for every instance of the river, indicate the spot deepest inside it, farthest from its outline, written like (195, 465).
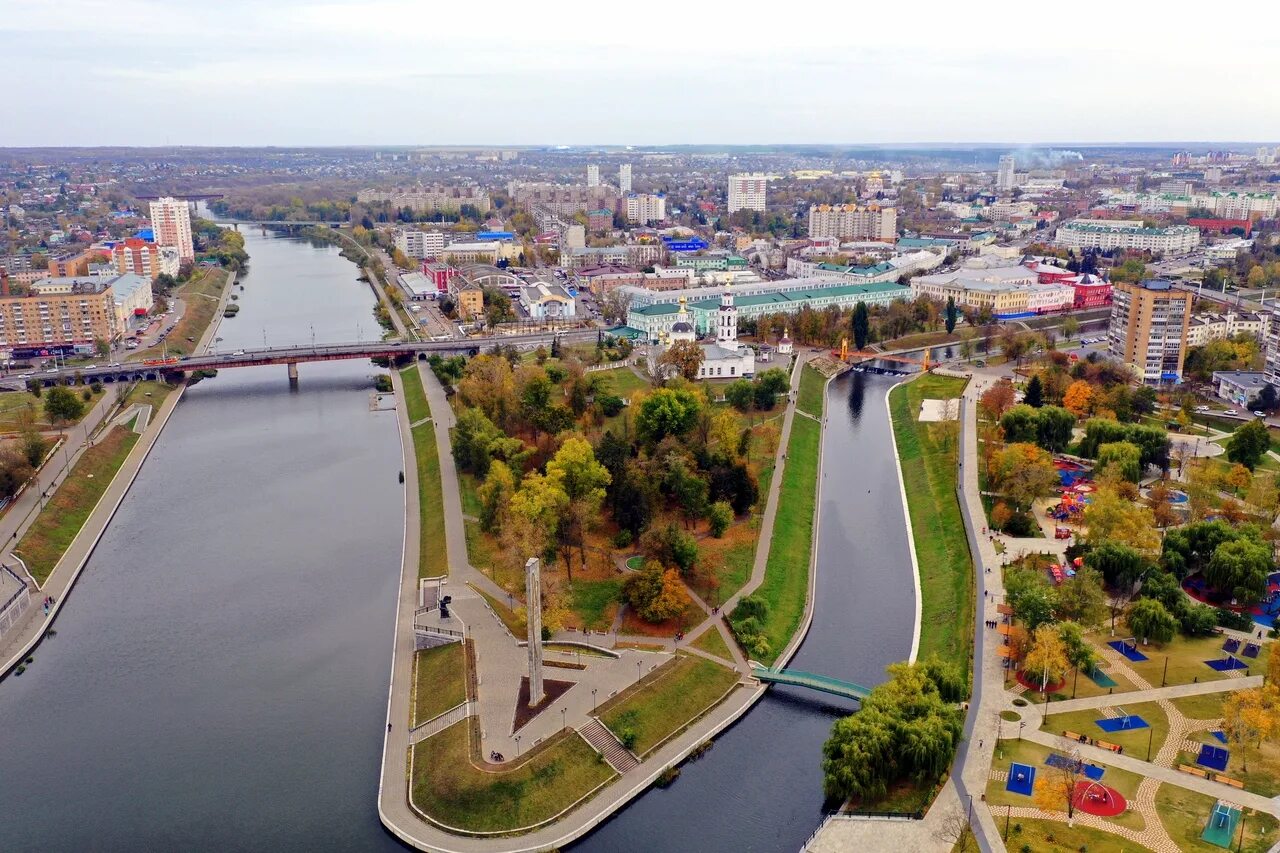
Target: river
(218, 679)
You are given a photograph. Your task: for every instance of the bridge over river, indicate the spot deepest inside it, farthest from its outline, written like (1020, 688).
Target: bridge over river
(823, 683)
(292, 356)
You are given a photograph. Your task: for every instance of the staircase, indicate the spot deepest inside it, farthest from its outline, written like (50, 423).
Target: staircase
(602, 741)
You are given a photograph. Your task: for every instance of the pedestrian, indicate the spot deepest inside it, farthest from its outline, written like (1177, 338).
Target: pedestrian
(979, 743)
(388, 727)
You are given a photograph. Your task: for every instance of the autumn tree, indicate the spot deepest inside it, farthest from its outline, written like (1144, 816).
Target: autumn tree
(1078, 398)
(1023, 473)
(657, 594)
(1250, 716)
(997, 400)
(1047, 661)
(1109, 518)
(583, 481)
(495, 495)
(1055, 788)
(684, 358)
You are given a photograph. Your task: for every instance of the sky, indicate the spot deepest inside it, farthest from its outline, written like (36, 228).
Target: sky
(427, 72)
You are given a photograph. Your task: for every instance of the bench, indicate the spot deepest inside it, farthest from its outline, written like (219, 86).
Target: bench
(1227, 780)
(1113, 747)
(1194, 771)
(1076, 736)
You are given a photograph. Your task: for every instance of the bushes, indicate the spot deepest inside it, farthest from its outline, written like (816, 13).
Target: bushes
(719, 518)
(382, 383)
(747, 622)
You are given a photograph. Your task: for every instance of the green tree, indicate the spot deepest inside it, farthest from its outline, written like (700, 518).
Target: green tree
(1053, 428)
(1239, 568)
(740, 394)
(719, 518)
(1121, 457)
(1119, 565)
(62, 406)
(1034, 394)
(1080, 654)
(861, 326)
(1249, 444)
(1019, 424)
(1033, 605)
(952, 314)
(667, 411)
(1151, 622)
(1081, 599)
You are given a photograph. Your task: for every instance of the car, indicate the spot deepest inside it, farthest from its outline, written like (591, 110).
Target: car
(1231, 413)
(1202, 408)
(1259, 414)
(238, 352)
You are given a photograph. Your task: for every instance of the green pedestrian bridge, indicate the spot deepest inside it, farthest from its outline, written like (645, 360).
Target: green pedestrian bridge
(823, 683)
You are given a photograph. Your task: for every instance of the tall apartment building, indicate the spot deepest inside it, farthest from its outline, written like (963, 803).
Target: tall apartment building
(1006, 178)
(853, 222)
(624, 178)
(643, 207)
(1148, 328)
(420, 245)
(562, 199)
(747, 192)
(78, 313)
(1176, 186)
(593, 175)
(1126, 234)
(418, 199)
(171, 225)
(144, 258)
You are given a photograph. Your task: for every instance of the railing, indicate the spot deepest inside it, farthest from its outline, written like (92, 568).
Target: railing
(824, 683)
(432, 629)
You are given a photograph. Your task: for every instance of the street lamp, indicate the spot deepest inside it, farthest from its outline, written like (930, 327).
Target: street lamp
(517, 746)
(637, 672)
(593, 700)
(563, 722)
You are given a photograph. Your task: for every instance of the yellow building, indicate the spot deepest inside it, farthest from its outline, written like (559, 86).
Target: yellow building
(81, 314)
(470, 301)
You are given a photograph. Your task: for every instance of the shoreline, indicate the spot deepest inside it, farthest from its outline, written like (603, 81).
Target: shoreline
(426, 836)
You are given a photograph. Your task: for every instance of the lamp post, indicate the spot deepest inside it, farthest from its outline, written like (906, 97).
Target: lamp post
(637, 672)
(593, 700)
(564, 722)
(517, 746)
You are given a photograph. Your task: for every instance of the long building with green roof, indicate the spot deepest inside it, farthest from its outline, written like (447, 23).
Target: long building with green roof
(655, 320)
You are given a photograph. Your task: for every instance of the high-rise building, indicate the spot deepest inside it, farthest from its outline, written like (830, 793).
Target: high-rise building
(1005, 179)
(593, 175)
(171, 224)
(624, 178)
(852, 222)
(747, 192)
(643, 207)
(62, 312)
(1148, 329)
(142, 257)
(419, 245)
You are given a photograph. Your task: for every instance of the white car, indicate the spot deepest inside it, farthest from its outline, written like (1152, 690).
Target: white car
(1231, 413)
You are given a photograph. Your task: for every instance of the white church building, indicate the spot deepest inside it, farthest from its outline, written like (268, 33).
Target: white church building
(726, 358)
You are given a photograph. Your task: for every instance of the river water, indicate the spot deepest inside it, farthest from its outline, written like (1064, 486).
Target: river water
(219, 675)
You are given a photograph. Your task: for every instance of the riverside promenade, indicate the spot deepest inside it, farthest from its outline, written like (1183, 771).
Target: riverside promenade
(401, 818)
(18, 643)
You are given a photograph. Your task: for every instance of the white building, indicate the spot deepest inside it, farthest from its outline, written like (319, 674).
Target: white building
(484, 252)
(853, 222)
(624, 177)
(1126, 234)
(543, 301)
(132, 296)
(171, 224)
(645, 208)
(1005, 177)
(726, 358)
(420, 245)
(1203, 328)
(593, 175)
(747, 191)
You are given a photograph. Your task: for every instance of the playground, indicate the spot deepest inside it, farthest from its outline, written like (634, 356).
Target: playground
(1096, 798)
(1264, 613)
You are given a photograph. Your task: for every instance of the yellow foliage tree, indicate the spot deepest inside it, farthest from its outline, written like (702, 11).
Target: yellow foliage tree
(1111, 518)
(1047, 661)
(1239, 478)
(1252, 715)
(1078, 397)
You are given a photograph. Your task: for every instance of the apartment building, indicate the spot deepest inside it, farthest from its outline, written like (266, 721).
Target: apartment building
(747, 191)
(171, 226)
(142, 257)
(1203, 328)
(1126, 234)
(1148, 328)
(419, 245)
(624, 178)
(853, 222)
(644, 208)
(420, 199)
(71, 315)
(74, 263)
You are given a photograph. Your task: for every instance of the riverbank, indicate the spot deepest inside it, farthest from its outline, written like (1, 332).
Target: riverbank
(205, 298)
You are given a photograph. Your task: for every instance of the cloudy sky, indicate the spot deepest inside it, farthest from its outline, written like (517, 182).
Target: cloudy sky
(284, 72)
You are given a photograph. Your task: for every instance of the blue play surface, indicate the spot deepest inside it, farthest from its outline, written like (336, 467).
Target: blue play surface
(1122, 724)
(1128, 651)
(1057, 759)
(1220, 735)
(1022, 778)
(1100, 678)
(1213, 757)
(1227, 664)
(1251, 650)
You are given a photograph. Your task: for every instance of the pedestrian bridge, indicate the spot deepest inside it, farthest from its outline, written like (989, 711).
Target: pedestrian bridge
(822, 683)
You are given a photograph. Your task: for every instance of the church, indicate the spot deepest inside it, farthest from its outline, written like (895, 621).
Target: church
(726, 358)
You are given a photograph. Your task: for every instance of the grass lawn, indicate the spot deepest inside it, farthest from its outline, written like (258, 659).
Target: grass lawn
(729, 560)
(439, 681)
(623, 381)
(1041, 836)
(812, 389)
(1206, 707)
(433, 559)
(1082, 686)
(786, 578)
(415, 396)
(1134, 741)
(482, 553)
(712, 643)
(929, 474)
(200, 295)
(1184, 814)
(467, 487)
(595, 601)
(1263, 776)
(449, 786)
(1026, 752)
(666, 700)
(1187, 656)
(62, 517)
(153, 393)
(19, 407)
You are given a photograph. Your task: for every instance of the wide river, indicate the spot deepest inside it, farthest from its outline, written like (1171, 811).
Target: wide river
(218, 678)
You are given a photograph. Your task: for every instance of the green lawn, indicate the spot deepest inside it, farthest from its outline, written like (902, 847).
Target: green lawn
(1205, 707)
(200, 295)
(48, 538)
(447, 785)
(1187, 656)
(622, 381)
(1134, 741)
(666, 701)
(439, 681)
(942, 550)
(712, 643)
(812, 391)
(1184, 814)
(433, 559)
(786, 577)
(590, 600)
(21, 408)
(467, 491)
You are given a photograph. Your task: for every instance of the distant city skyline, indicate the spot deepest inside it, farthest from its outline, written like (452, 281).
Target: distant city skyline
(398, 72)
